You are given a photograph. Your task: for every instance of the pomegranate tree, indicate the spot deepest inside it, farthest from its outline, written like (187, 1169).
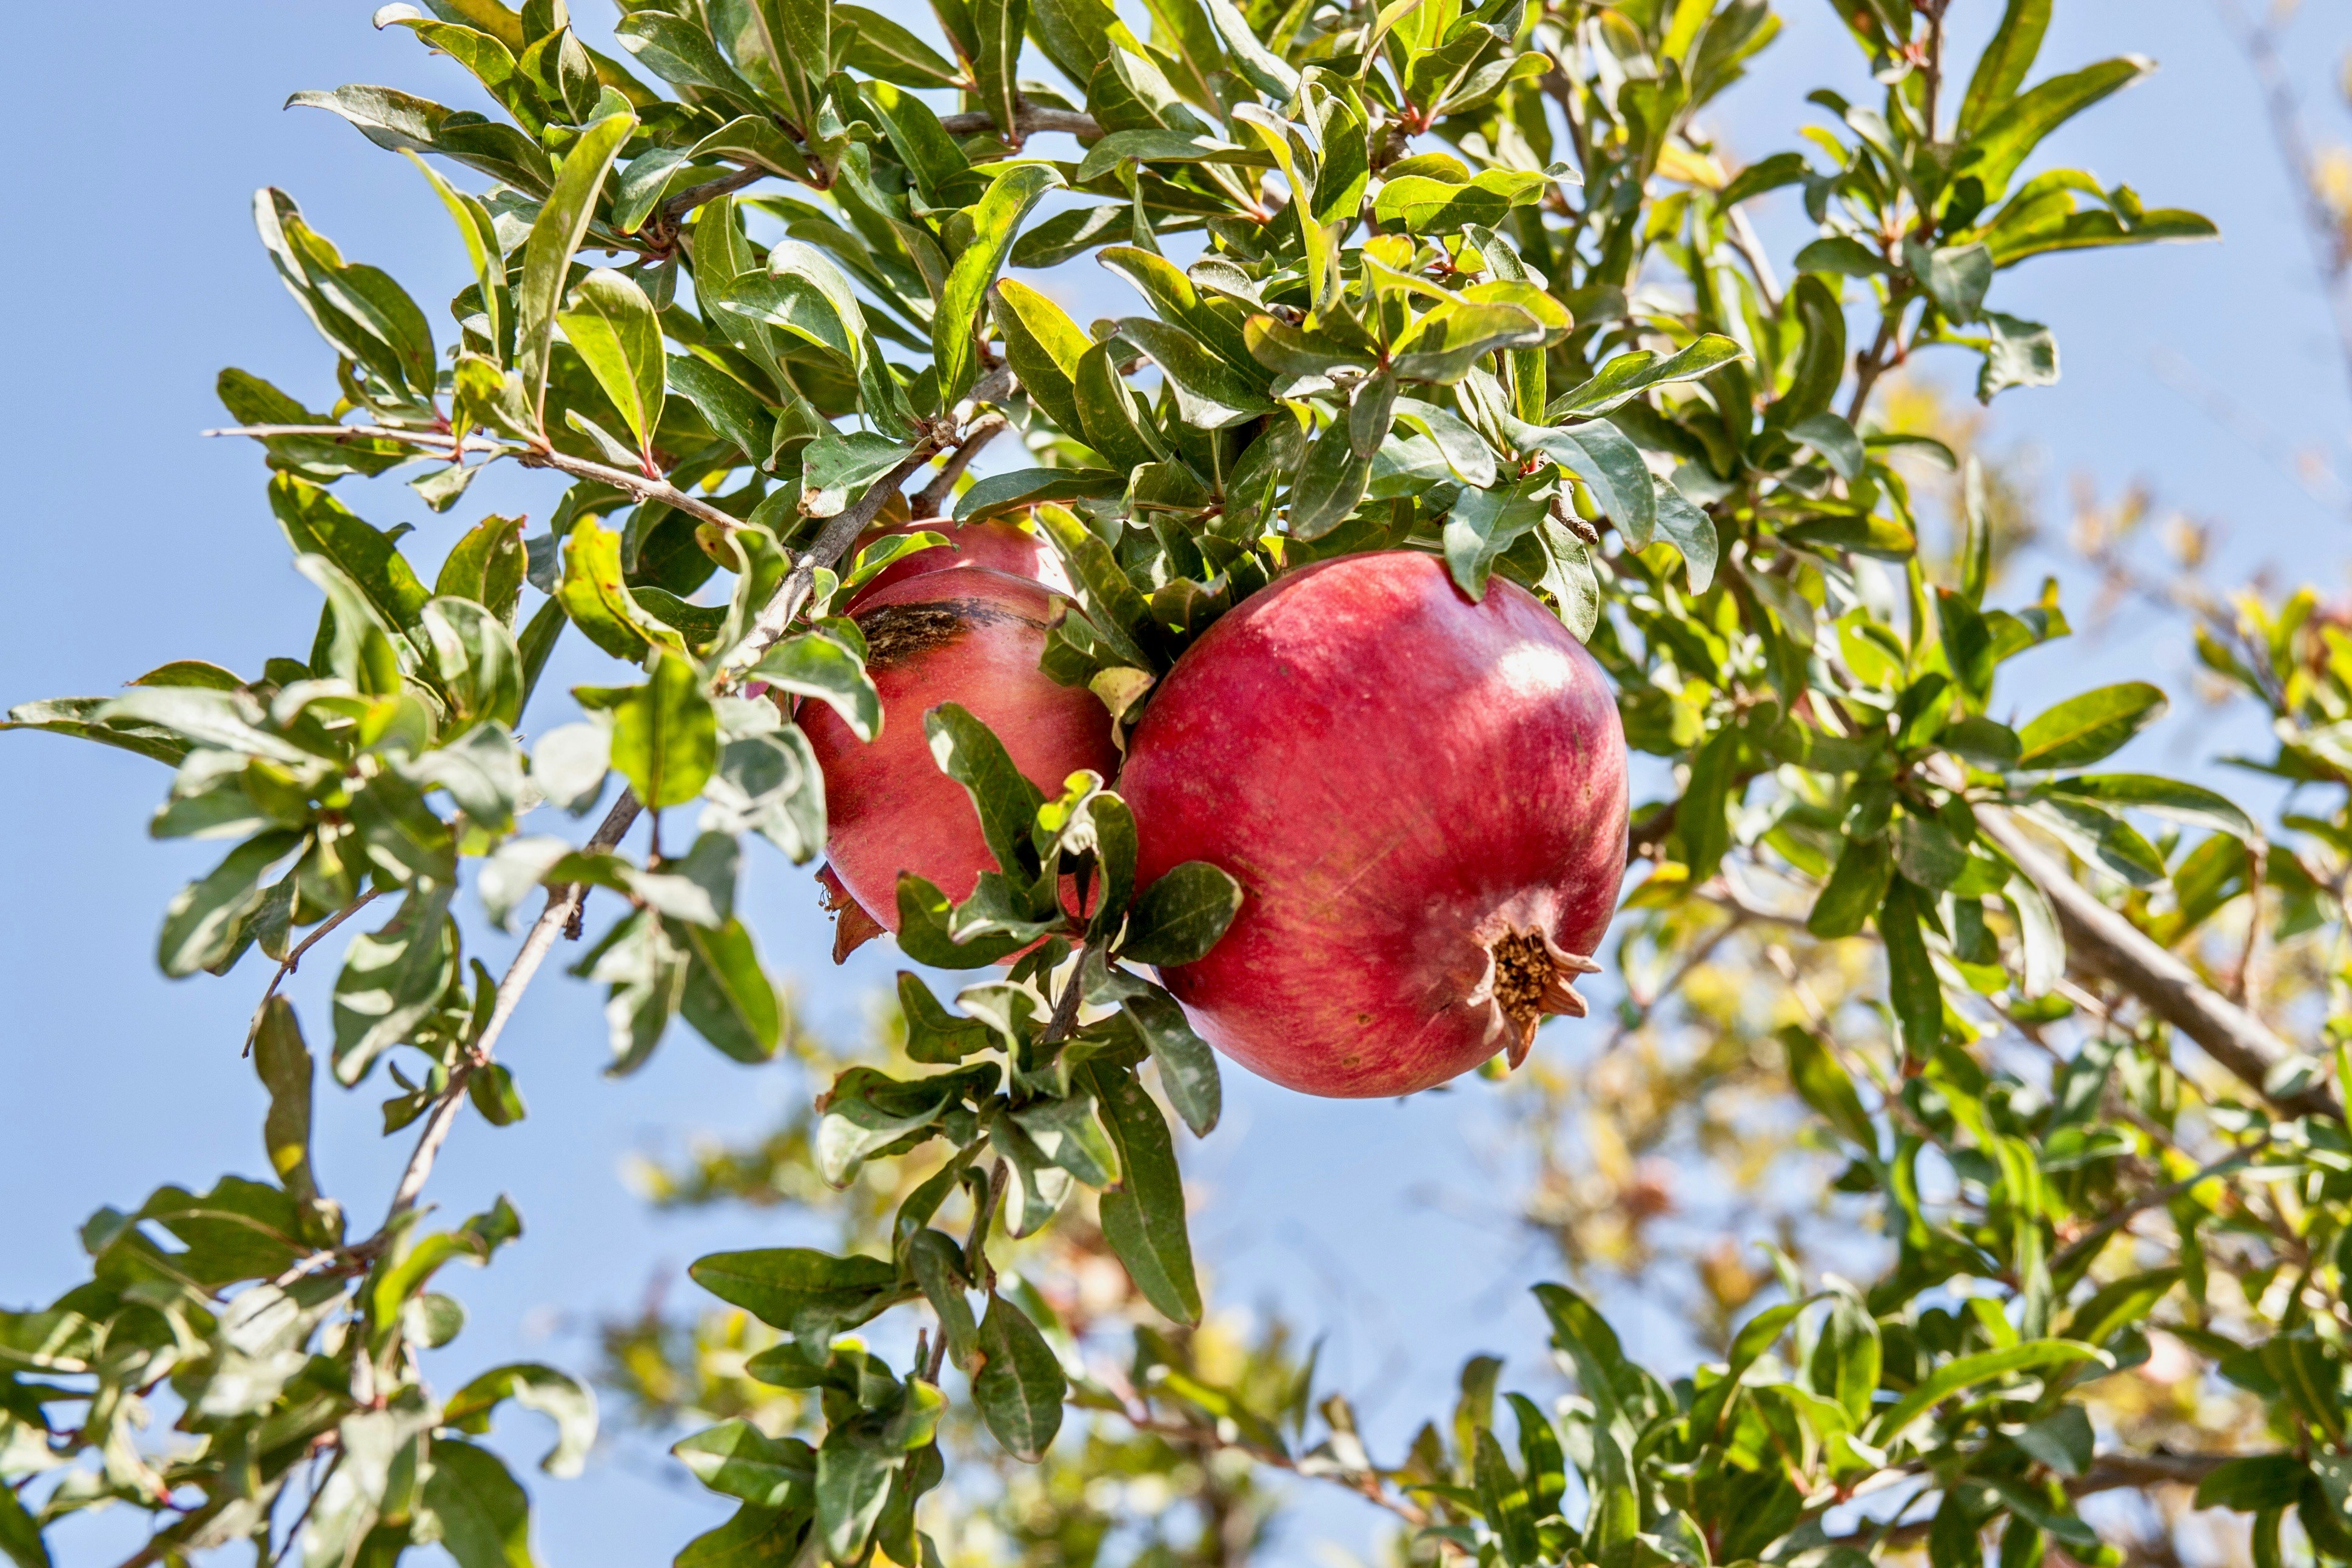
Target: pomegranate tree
(1423, 800)
(971, 635)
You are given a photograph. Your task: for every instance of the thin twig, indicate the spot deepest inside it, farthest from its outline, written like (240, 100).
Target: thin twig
(832, 541)
(2116, 1219)
(560, 902)
(1365, 1485)
(979, 434)
(293, 960)
(644, 487)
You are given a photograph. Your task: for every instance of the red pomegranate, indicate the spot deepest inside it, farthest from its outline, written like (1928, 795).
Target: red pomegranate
(1423, 800)
(971, 635)
(997, 545)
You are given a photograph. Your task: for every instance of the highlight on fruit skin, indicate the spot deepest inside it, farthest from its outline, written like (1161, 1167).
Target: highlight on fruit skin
(997, 545)
(1423, 799)
(971, 635)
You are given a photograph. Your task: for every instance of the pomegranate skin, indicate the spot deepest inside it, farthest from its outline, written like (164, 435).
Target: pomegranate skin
(1406, 784)
(971, 635)
(998, 546)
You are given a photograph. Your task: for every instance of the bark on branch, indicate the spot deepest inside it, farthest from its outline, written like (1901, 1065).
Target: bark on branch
(2109, 946)
(1029, 120)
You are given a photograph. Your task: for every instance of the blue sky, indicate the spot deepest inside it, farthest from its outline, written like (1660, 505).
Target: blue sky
(136, 276)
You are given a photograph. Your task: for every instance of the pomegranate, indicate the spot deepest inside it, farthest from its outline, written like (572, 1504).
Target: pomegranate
(997, 545)
(1423, 800)
(970, 636)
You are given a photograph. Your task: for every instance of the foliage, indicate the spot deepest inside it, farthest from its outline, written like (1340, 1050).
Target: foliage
(1552, 350)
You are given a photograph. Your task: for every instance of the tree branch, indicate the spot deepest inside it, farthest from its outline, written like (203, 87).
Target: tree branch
(979, 433)
(563, 902)
(2110, 946)
(1029, 120)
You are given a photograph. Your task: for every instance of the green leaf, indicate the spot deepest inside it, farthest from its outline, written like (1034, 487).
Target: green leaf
(837, 468)
(1444, 344)
(729, 998)
(998, 26)
(1329, 484)
(1465, 452)
(2019, 354)
(393, 979)
(2038, 934)
(1609, 463)
(555, 234)
(968, 751)
(488, 566)
(554, 1394)
(2167, 798)
(665, 735)
(924, 919)
(736, 1460)
(1292, 350)
(611, 324)
(1209, 393)
(1188, 1068)
(478, 667)
(2005, 140)
(1823, 1082)
(814, 665)
(1143, 1215)
(939, 1267)
(866, 1112)
(403, 122)
(2001, 70)
(883, 49)
(1913, 991)
(853, 1482)
(1182, 916)
(995, 219)
(1069, 1134)
(1629, 375)
(282, 1061)
(20, 1537)
(204, 924)
(1968, 1370)
(1020, 1386)
(2254, 1483)
(1482, 525)
(805, 1292)
(727, 404)
(1879, 537)
(2100, 838)
(483, 1513)
(1044, 347)
(316, 523)
(2083, 730)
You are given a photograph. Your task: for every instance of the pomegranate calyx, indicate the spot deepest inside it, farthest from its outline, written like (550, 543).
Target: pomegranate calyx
(853, 928)
(1530, 976)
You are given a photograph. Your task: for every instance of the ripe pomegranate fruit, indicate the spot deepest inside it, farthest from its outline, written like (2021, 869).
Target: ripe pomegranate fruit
(1423, 800)
(998, 546)
(970, 636)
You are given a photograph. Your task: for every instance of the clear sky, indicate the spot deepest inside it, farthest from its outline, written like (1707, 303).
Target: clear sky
(134, 276)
